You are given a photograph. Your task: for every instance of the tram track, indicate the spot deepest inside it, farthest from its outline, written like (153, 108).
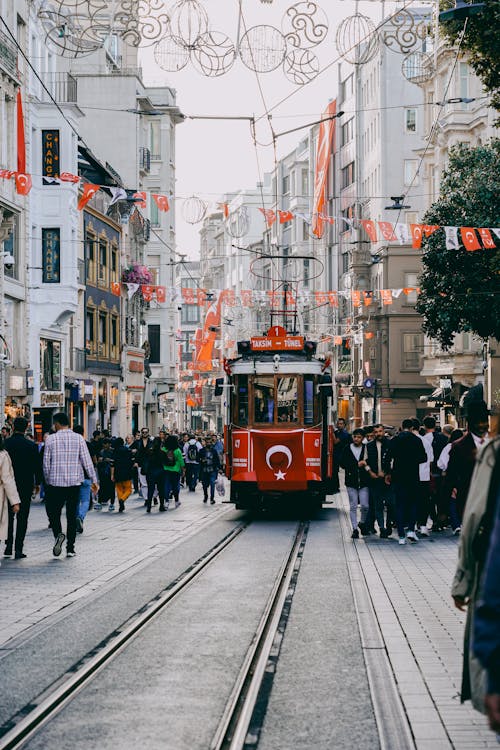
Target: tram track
(243, 717)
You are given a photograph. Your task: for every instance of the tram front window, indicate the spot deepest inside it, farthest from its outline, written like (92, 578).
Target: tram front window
(287, 399)
(264, 400)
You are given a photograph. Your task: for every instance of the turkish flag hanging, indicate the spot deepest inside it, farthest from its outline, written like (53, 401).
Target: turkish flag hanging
(416, 235)
(278, 460)
(116, 288)
(285, 216)
(486, 238)
(387, 230)
(469, 238)
(369, 227)
(269, 215)
(140, 198)
(429, 229)
(89, 191)
(161, 201)
(329, 219)
(325, 145)
(6, 174)
(368, 298)
(337, 340)
(69, 177)
(356, 297)
(21, 143)
(161, 294)
(225, 209)
(386, 296)
(147, 292)
(23, 183)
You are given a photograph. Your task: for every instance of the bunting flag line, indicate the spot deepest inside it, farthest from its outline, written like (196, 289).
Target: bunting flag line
(161, 201)
(89, 191)
(269, 215)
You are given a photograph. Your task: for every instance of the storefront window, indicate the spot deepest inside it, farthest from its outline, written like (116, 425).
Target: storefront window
(50, 365)
(287, 399)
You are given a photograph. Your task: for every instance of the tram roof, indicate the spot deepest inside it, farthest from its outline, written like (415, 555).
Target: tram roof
(268, 363)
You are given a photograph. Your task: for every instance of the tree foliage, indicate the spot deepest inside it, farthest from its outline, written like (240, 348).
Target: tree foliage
(482, 42)
(460, 290)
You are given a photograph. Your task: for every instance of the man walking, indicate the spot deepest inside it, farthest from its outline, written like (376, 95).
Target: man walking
(341, 438)
(380, 492)
(424, 471)
(191, 452)
(66, 463)
(142, 447)
(28, 474)
(406, 453)
(353, 461)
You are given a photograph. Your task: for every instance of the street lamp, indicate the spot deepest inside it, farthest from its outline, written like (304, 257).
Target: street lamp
(397, 205)
(461, 11)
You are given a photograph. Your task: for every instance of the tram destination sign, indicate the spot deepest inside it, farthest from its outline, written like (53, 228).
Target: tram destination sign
(276, 343)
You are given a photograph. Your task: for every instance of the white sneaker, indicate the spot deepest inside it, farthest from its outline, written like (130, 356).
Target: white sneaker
(457, 531)
(402, 540)
(411, 535)
(424, 531)
(97, 506)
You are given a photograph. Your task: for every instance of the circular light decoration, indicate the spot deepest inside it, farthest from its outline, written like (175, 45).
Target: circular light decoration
(214, 54)
(262, 48)
(194, 210)
(238, 222)
(417, 67)
(404, 31)
(70, 27)
(188, 22)
(170, 56)
(300, 66)
(357, 39)
(304, 25)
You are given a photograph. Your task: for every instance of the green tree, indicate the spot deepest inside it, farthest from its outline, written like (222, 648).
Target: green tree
(460, 290)
(482, 42)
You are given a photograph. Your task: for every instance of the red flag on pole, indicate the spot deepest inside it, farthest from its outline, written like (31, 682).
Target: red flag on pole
(21, 143)
(89, 191)
(161, 201)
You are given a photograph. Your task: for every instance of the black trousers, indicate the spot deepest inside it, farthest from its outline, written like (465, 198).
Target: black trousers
(55, 500)
(21, 523)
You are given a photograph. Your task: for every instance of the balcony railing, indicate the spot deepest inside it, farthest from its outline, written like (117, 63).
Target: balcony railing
(144, 159)
(62, 86)
(8, 55)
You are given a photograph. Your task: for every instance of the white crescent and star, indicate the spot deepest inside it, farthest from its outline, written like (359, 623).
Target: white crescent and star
(279, 449)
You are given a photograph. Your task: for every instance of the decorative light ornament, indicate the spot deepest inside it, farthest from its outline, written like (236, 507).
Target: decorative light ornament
(304, 25)
(404, 31)
(194, 210)
(214, 54)
(188, 22)
(357, 39)
(262, 48)
(417, 67)
(170, 56)
(238, 222)
(300, 66)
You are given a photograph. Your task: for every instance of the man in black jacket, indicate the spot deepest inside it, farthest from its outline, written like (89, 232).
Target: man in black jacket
(406, 453)
(28, 475)
(353, 461)
(380, 492)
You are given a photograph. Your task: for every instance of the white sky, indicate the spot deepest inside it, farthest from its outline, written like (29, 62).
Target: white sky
(216, 157)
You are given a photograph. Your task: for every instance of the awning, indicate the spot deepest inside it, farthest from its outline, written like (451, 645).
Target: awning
(436, 395)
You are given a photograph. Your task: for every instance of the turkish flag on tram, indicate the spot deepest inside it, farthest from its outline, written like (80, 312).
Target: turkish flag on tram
(278, 460)
(469, 238)
(161, 201)
(89, 191)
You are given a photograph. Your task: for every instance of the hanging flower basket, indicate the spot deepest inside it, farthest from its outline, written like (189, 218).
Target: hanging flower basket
(137, 274)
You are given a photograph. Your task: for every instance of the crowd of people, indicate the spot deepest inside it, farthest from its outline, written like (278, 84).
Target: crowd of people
(68, 471)
(416, 481)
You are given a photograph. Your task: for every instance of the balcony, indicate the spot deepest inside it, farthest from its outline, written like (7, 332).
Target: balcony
(144, 159)
(8, 56)
(62, 86)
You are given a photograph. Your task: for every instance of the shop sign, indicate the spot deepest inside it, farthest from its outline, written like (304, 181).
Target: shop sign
(51, 399)
(51, 255)
(136, 365)
(50, 155)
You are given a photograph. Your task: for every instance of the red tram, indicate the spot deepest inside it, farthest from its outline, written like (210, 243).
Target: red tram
(278, 441)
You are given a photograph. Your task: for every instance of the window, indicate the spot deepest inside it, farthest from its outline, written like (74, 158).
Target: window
(305, 230)
(115, 338)
(287, 399)
(411, 282)
(90, 249)
(90, 337)
(242, 396)
(154, 213)
(308, 399)
(345, 262)
(348, 87)
(190, 314)
(103, 334)
(306, 273)
(347, 177)
(410, 172)
(410, 120)
(413, 347)
(155, 140)
(50, 365)
(286, 184)
(103, 261)
(305, 183)
(11, 245)
(114, 263)
(347, 133)
(464, 84)
(264, 399)
(154, 343)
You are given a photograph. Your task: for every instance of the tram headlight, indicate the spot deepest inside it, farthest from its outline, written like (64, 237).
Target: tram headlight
(276, 360)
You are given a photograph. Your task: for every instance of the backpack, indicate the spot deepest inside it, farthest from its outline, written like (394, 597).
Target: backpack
(170, 458)
(192, 452)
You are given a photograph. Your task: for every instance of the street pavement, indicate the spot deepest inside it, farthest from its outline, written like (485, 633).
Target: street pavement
(112, 546)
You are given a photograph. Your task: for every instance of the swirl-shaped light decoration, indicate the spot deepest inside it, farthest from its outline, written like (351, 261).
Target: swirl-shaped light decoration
(214, 54)
(408, 30)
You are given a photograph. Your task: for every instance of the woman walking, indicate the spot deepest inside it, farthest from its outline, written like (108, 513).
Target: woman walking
(173, 463)
(155, 474)
(8, 491)
(122, 473)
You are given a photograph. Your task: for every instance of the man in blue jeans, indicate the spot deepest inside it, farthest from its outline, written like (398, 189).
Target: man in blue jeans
(85, 490)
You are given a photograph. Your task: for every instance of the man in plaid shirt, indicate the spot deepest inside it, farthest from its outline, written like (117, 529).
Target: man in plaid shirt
(66, 463)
